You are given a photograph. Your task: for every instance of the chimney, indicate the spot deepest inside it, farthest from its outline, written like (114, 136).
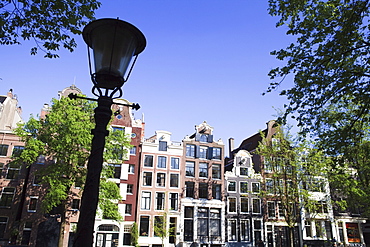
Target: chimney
(10, 93)
(231, 145)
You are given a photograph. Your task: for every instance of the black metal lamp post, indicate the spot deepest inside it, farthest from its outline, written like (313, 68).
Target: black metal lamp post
(114, 42)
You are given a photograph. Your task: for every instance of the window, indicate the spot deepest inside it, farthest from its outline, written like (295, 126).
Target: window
(32, 204)
(188, 224)
(233, 236)
(243, 171)
(13, 171)
(244, 204)
(158, 226)
(174, 180)
(271, 209)
(255, 188)
(131, 168)
(144, 225)
(26, 235)
(256, 206)
(162, 146)
(162, 160)
(281, 210)
(2, 167)
(203, 138)
(319, 228)
(147, 179)
(116, 170)
(232, 204)
(189, 189)
(148, 160)
(145, 200)
(17, 150)
(172, 230)
(36, 180)
(203, 190)
(117, 128)
(244, 230)
(161, 179)
(130, 189)
(243, 187)
(203, 152)
(216, 191)
(203, 170)
(175, 163)
(3, 223)
(7, 197)
(190, 168)
(3, 149)
(174, 201)
(160, 197)
(75, 204)
(216, 171)
(40, 159)
(216, 153)
(190, 150)
(215, 223)
(307, 227)
(268, 165)
(269, 186)
(79, 183)
(128, 209)
(257, 230)
(231, 186)
(203, 227)
(133, 150)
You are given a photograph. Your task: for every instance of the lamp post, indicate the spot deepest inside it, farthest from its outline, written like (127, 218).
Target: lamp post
(114, 43)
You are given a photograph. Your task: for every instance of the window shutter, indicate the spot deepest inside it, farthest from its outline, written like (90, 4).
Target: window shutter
(197, 137)
(210, 153)
(210, 138)
(197, 151)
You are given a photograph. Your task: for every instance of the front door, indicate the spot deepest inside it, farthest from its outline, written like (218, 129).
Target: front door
(106, 239)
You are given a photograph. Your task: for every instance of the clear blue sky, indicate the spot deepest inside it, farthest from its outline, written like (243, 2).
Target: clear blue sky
(205, 60)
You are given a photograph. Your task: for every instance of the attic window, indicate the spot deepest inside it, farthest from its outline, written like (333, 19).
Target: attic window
(203, 138)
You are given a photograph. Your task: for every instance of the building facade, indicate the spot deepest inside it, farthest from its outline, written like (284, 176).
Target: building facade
(244, 222)
(159, 191)
(203, 198)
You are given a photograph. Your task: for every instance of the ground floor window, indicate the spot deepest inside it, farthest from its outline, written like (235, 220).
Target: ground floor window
(26, 235)
(232, 225)
(353, 233)
(144, 226)
(188, 224)
(173, 230)
(3, 223)
(107, 236)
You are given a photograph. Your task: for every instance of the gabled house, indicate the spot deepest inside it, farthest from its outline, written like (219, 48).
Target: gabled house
(202, 200)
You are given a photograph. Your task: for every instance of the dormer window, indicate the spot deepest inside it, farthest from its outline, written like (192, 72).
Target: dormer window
(203, 138)
(162, 146)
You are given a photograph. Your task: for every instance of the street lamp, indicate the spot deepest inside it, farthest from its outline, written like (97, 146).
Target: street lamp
(114, 43)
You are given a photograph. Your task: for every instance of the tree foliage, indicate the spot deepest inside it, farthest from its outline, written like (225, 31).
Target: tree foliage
(50, 24)
(290, 172)
(134, 235)
(330, 64)
(330, 97)
(64, 138)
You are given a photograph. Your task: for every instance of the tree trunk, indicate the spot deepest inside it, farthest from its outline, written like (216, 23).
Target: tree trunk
(291, 236)
(62, 227)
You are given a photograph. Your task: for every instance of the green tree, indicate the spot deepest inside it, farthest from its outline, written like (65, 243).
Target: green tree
(330, 64)
(64, 137)
(289, 171)
(330, 97)
(50, 24)
(134, 235)
(160, 227)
